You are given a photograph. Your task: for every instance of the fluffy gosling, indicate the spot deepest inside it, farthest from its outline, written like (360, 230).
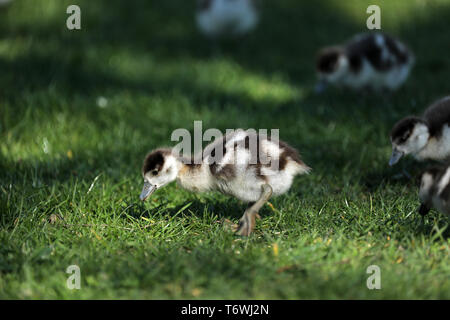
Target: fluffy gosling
(374, 61)
(426, 137)
(435, 190)
(236, 164)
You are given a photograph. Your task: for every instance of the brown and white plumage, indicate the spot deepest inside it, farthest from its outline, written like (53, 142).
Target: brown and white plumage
(374, 61)
(435, 190)
(243, 164)
(426, 137)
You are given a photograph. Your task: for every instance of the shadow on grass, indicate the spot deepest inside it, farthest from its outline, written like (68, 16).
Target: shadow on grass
(290, 33)
(233, 209)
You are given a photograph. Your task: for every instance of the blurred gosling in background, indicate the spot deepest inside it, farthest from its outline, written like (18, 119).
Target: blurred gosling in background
(426, 138)
(369, 61)
(217, 18)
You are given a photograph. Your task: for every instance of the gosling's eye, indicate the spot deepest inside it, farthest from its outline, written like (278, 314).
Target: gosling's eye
(405, 137)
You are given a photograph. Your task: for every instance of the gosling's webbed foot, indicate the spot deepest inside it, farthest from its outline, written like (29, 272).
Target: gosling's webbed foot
(247, 223)
(424, 209)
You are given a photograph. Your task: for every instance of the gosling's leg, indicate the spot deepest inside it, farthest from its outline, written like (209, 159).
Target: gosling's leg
(247, 222)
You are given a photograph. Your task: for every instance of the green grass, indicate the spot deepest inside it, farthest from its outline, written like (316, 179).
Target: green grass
(63, 155)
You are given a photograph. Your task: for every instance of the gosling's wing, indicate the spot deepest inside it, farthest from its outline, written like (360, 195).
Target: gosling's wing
(222, 154)
(437, 115)
(382, 51)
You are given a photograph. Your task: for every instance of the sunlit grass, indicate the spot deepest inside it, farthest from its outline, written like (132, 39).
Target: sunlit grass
(395, 15)
(79, 111)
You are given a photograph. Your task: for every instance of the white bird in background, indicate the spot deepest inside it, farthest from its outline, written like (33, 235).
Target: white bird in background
(217, 18)
(235, 164)
(5, 2)
(373, 61)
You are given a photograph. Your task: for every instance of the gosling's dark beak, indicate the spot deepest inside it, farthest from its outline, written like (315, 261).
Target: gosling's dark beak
(147, 190)
(395, 157)
(321, 86)
(424, 209)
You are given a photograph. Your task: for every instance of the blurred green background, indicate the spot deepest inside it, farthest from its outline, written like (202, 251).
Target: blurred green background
(80, 109)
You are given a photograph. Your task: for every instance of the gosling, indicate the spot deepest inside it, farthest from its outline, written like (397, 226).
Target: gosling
(373, 61)
(249, 166)
(425, 138)
(435, 190)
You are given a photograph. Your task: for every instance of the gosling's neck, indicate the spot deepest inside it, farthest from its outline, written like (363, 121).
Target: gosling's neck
(195, 177)
(435, 149)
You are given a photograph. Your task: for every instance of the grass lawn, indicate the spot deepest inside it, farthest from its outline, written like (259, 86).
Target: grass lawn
(80, 109)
